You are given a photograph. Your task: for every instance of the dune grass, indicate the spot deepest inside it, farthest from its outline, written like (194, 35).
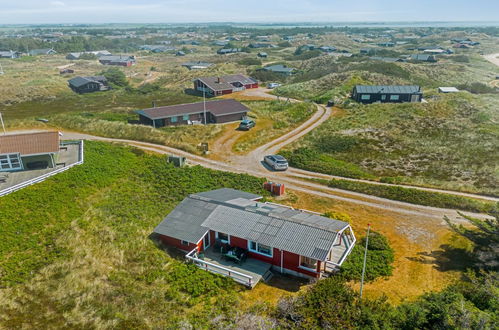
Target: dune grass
(76, 250)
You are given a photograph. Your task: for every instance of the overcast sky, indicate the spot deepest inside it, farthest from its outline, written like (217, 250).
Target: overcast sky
(182, 11)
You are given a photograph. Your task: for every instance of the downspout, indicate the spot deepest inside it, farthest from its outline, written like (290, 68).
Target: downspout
(281, 264)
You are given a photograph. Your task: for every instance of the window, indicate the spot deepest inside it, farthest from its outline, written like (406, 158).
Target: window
(365, 97)
(10, 162)
(185, 243)
(174, 119)
(185, 117)
(307, 262)
(223, 237)
(394, 97)
(383, 97)
(260, 248)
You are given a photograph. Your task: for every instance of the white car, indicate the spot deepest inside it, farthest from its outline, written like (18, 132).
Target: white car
(273, 85)
(276, 162)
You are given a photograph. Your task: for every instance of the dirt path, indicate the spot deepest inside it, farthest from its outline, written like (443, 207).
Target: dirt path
(492, 58)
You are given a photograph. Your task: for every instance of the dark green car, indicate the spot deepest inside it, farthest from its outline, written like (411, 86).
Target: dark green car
(246, 124)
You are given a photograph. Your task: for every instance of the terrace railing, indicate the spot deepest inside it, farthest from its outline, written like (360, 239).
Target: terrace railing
(349, 240)
(47, 175)
(217, 269)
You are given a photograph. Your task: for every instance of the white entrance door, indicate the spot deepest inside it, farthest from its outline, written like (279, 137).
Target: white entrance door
(206, 240)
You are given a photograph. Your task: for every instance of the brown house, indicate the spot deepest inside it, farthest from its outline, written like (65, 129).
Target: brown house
(217, 111)
(214, 86)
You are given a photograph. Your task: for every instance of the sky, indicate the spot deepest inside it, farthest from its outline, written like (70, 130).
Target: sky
(260, 11)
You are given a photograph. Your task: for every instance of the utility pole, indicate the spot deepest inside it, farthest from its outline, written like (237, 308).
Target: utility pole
(3, 126)
(365, 259)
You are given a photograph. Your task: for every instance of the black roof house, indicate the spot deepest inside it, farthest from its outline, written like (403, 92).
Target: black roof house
(88, 84)
(393, 94)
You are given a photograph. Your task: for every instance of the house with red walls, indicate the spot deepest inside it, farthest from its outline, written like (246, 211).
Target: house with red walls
(233, 233)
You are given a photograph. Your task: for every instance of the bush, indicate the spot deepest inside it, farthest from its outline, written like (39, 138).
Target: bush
(414, 196)
(379, 262)
(115, 77)
(312, 160)
(284, 44)
(477, 88)
(250, 61)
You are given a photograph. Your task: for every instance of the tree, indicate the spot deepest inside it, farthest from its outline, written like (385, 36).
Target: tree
(485, 237)
(115, 77)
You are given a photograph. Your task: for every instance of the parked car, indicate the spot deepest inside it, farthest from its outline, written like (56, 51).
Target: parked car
(276, 162)
(273, 85)
(330, 103)
(246, 124)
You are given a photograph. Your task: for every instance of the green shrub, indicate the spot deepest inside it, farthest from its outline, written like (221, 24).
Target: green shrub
(250, 61)
(312, 160)
(379, 260)
(414, 196)
(478, 88)
(115, 77)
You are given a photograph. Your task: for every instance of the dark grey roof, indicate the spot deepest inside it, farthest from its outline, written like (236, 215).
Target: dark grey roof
(279, 68)
(236, 213)
(215, 107)
(184, 222)
(225, 82)
(227, 194)
(408, 89)
(80, 81)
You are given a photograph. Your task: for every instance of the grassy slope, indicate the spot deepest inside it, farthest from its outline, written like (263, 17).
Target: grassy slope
(78, 253)
(450, 142)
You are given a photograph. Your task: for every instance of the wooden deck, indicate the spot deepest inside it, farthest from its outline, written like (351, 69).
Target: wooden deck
(249, 273)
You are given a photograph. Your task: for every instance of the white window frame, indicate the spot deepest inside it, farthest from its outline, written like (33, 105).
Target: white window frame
(395, 97)
(185, 117)
(182, 242)
(261, 253)
(174, 119)
(365, 97)
(8, 161)
(308, 268)
(222, 240)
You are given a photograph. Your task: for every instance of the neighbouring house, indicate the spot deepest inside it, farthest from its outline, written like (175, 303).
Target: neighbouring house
(120, 60)
(77, 55)
(225, 51)
(88, 84)
(367, 51)
(448, 90)
(393, 94)
(217, 112)
(28, 151)
(208, 225)
(220, 43)
(279, 68)
(45, 51)
(66, 71)
(157, 48)
(437, 51)
(262, 54)
(9, 54)
(387, 59)
(197, 65)
(424, 58)
(386, 44)
(327, 49)
(466, 41)
(228, 84)
(261, 45)
(462, 46)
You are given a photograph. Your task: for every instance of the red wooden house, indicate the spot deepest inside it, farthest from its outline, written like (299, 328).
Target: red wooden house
(230, 232)
(214, 86)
